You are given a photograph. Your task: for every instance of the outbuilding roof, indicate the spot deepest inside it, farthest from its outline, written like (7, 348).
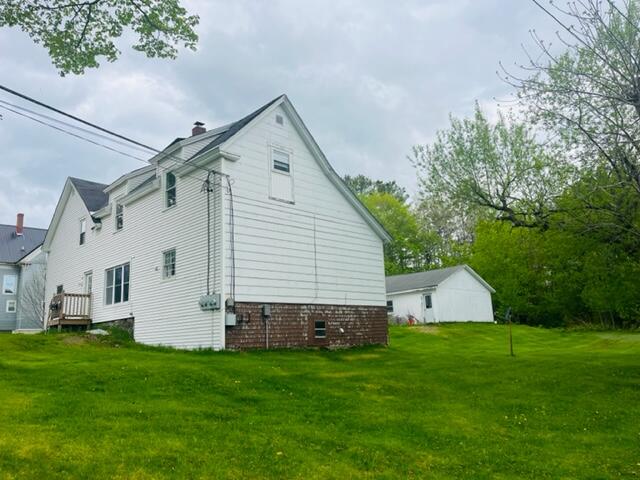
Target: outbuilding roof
(429, 279)
(14, 247)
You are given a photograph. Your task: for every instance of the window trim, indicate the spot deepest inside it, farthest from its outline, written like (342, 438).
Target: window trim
(83, 231)
(116, 215)
(87, 275)
(167, 189)
(15, 284)
(282, 151)
(15, 306)
(113, 286)
(316, 329)
(164, 265)
(428, 306)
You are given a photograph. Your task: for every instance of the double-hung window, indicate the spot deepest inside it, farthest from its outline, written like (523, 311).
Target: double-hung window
(320, 329)
(9, 284)
(170, 190)
(119, 216)
(11, 306)
(83, 230)
(117, 285)
(281, 161)
(169, 263)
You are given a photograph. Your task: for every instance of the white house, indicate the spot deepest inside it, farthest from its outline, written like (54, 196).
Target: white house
(455, 294)
(238, 237)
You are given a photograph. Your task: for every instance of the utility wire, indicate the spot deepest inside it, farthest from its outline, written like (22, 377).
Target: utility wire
(77, 119)
(102, 129)
(75, 127)
(75, 135)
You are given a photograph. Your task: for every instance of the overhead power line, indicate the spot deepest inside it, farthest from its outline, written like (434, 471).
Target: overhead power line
(173, 157)
(77, 119)
(75, 134)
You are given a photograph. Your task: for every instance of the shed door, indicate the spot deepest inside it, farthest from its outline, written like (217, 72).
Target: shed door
(427, 303)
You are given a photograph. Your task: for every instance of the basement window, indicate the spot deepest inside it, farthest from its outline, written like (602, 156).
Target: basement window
(11, 306)
(117, 284)
(83, 231)
(170, 190)
(169, 263)
(119, 216)
(320, 329)
(389, 306)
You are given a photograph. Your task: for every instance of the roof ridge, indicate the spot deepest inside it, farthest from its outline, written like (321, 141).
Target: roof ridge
(88, 181)
(12, 225)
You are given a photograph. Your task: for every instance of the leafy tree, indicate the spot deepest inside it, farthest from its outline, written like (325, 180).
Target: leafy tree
(589, 94)
(412, 249)
(363, 185)
(77, 32)
(491, 170)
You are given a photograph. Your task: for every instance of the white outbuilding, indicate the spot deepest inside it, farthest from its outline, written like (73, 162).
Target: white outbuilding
(454, 294)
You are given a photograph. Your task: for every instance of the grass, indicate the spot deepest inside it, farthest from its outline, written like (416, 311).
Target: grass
(444, 402)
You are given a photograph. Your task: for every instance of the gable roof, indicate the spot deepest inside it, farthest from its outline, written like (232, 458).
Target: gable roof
(234, 128)
(91, 193)
(225, 136)
(428, 279)
(14, 247)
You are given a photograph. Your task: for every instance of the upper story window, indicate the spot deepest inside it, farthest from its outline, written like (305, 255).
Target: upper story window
(83, 231)
(281, 161)
(9, 284)
(169, 263)
(119, 216)
(170, 190)
(117, 285)
(279, 119)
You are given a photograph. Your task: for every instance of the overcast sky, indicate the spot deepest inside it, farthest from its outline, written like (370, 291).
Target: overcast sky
(369, 78)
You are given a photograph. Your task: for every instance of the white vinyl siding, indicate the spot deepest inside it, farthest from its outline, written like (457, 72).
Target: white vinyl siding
(318, 250)
(166, 313)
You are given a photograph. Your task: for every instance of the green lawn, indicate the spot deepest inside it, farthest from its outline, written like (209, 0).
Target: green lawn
(448, 403)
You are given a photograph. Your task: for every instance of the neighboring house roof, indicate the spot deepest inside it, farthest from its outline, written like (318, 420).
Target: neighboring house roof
(92, 193)
(429, 279)
(14, 247)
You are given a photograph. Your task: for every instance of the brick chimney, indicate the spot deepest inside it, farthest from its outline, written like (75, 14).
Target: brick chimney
(19, 224)
(198, 129)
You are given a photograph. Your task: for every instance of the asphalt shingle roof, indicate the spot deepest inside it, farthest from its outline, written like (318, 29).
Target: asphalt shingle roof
(414, 281)
(14, 247)
(234, 128)
(92, 193)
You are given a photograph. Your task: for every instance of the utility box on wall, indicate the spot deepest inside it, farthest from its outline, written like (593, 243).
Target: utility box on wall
(210, 302)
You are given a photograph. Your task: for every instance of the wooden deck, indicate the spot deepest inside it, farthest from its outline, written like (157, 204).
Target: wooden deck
(69, 309)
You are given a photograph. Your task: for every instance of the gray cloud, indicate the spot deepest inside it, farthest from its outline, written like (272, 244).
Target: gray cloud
(370, 78)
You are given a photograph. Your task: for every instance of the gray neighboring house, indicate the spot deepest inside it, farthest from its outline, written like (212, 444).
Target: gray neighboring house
(22, 270)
